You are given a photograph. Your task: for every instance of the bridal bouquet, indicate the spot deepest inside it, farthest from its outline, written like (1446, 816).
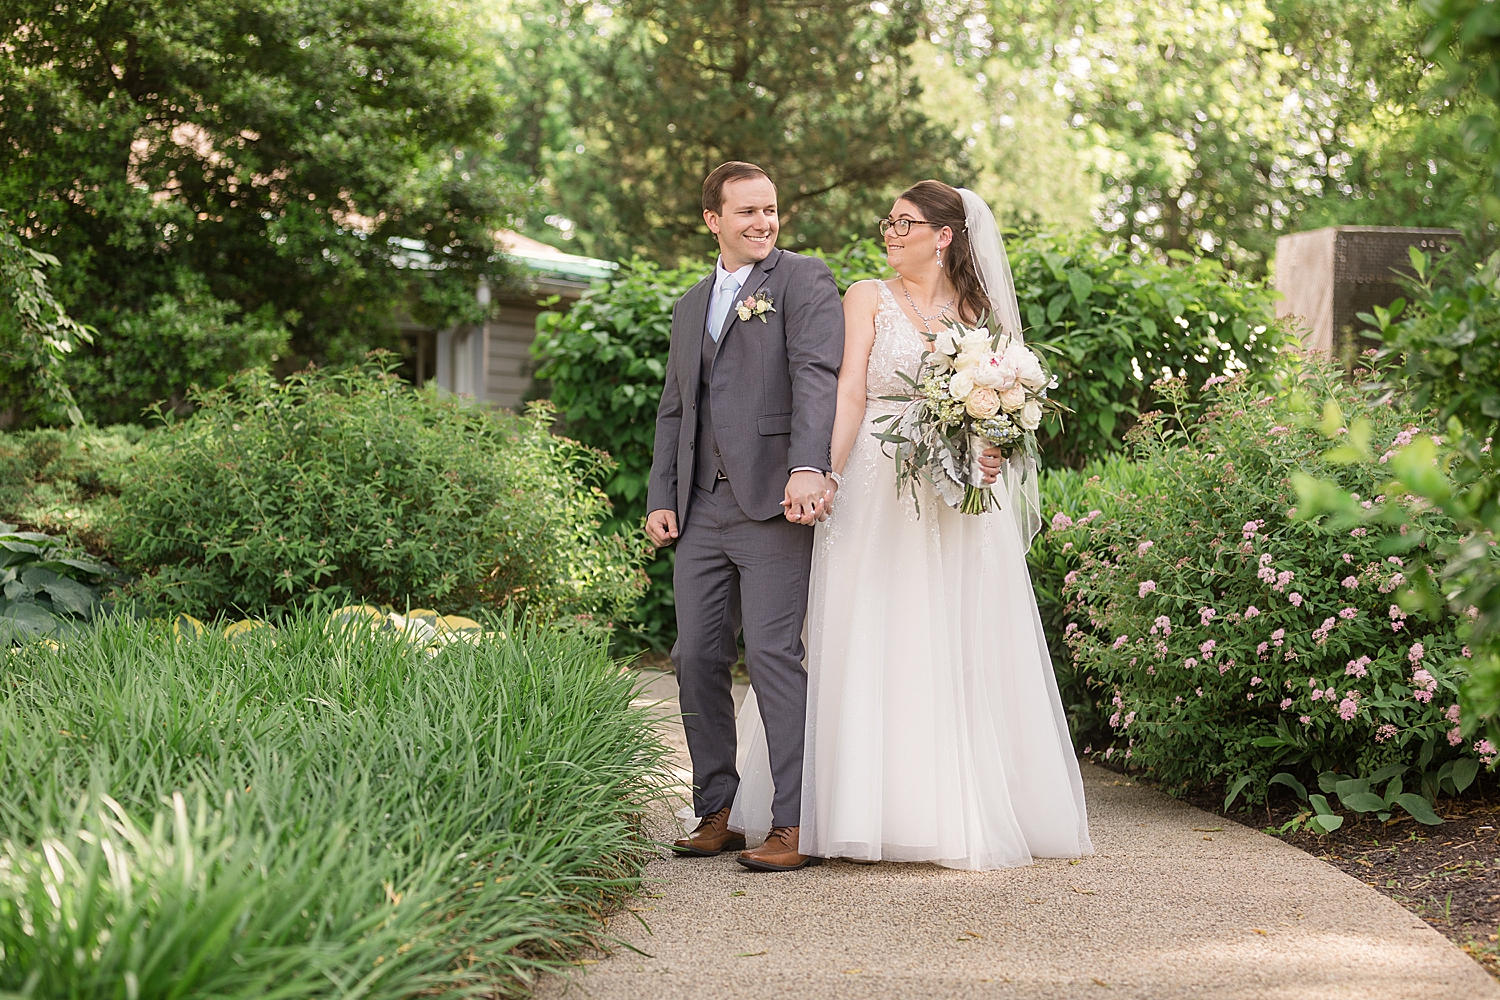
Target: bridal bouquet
(974, 390)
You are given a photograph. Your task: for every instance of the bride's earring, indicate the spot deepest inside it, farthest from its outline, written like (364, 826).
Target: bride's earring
(940, 256)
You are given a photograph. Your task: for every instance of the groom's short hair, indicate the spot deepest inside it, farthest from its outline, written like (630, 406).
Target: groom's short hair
(733, 170)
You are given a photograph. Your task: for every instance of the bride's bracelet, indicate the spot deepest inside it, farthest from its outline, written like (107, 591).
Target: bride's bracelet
(838, 480)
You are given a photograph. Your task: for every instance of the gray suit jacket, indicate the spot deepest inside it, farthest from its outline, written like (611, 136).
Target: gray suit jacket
(774, 385)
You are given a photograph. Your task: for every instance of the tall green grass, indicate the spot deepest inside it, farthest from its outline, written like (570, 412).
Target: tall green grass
(302, 815)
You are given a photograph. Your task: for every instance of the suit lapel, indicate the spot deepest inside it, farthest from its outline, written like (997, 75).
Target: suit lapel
(758, 276)
(695, 315)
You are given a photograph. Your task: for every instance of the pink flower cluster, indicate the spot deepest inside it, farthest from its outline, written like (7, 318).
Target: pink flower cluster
(1286, 703)
(1385, 732)
(1206, 615)
(1357, 668)
(1251, 612)
(1207, 646)
(1146, 587)
(1144, 547)
(1486, 751)
(1398, 618)
(1061, 522)
(1295, 598)
(1282, 579)
(1349, 707)
(1121, 641)
(1416, 653)
(1320, 634)
(1250, 528)
(1190, 662)
(1396, 580)
(1162, 623)
(1425, 684)
(1350, 581)
(1347, 613)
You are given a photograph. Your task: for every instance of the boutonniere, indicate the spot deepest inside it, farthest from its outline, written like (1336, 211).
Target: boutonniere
(758, 304)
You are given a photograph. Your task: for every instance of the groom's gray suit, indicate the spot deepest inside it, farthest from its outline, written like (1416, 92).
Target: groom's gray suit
(736, 416)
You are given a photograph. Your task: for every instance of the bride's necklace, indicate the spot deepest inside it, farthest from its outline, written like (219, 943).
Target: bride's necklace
(926, 320)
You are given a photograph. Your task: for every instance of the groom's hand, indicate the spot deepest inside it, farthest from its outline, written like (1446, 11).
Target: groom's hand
(989, 461)
(661, 527)
(804, 500)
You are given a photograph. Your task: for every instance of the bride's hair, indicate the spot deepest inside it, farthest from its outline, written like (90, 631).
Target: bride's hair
(944, 206)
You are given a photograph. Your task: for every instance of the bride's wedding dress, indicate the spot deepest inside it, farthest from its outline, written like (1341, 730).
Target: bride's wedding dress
(934, 727)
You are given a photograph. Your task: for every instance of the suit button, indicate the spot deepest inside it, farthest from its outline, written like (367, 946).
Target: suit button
(692, 443)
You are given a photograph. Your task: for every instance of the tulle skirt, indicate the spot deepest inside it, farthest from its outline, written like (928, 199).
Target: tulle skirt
(934, 727)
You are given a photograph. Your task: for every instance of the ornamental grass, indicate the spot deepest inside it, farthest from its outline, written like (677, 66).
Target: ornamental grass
(298, 813)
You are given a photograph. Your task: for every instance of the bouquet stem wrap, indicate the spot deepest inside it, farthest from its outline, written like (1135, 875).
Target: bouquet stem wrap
(977, 496)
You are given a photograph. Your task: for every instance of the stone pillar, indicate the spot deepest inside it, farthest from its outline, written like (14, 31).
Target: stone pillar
(1329, 276)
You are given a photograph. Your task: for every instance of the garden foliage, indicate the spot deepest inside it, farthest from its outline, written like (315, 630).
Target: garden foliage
(294, 813)
(1225, 639)
(46, 586)
(1446, 349)
(351, 485)
(36, 336)
(1110, 324)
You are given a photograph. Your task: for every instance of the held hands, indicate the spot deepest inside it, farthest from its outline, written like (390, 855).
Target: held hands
(661, 527)
(807, 497)
(989, 461)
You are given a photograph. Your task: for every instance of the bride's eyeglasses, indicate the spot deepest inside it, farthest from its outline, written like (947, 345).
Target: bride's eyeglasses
(903, 226)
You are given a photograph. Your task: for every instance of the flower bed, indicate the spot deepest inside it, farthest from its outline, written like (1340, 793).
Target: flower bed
(1219, 638)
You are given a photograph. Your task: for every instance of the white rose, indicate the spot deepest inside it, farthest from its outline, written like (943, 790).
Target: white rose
(1013, 398)
(946, 341)
(983, 403)
(1028, 368)
(978, 341)
(961, 385)
(939, 363)
(1031, 415)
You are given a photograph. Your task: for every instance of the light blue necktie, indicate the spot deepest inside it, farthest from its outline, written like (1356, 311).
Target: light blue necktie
(719, 309)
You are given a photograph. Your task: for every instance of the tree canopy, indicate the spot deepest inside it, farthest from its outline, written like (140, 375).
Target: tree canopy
(266, 169)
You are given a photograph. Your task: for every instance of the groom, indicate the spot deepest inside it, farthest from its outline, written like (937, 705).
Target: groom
(742, 449)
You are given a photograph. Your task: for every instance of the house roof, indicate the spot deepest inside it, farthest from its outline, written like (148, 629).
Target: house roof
(538, 256)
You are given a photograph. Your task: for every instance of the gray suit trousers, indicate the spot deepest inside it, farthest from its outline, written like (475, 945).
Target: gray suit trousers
(732, 570)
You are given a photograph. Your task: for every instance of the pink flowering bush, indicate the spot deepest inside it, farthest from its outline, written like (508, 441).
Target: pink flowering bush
(1244, 642)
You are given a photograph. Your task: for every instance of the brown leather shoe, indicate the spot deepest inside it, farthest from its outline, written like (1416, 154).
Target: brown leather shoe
(779, 853)
(712, 836)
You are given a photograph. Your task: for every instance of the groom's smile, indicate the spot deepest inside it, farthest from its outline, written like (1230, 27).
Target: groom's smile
(748, 224)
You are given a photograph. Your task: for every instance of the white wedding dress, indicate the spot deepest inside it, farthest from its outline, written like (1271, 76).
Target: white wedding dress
(934, 727)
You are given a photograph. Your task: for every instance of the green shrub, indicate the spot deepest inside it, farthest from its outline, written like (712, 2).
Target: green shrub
(351, 485)
(1112, 323)
(63, 481)
(298, 814)
(1445, 352)
(1227, 640)
(159, 353)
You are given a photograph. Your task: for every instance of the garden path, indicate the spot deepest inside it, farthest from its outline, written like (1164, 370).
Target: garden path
(1176, 903)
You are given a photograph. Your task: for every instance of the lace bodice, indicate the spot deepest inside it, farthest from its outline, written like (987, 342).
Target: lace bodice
(898, 347)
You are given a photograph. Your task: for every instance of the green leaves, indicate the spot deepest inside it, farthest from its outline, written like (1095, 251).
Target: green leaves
(352, 485)
(46, 586)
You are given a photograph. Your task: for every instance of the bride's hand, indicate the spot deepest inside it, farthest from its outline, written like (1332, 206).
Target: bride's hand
(989, 461)
(825, 505)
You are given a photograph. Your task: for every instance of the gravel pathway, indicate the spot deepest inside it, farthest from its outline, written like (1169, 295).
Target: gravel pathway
(1177, 903)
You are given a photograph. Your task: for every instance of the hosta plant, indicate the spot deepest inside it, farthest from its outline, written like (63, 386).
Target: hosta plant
(1228, 641)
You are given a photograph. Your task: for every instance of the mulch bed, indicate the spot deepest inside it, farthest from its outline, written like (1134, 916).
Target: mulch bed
(1448, 875)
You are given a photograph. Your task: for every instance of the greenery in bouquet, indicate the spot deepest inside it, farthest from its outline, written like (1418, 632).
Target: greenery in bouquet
(1227, 640)
(974, 389)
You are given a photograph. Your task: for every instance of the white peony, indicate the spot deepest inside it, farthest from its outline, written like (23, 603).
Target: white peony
(1031, 415)
(983, 403)
(1013, 398)
(1028, 368)
(995, 371)
(961, 385)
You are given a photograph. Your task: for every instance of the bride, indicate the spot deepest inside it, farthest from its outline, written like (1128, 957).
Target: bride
(934, 727)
